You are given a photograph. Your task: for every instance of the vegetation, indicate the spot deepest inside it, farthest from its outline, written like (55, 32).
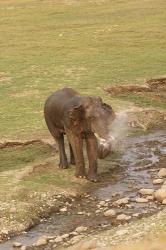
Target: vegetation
(46, 45)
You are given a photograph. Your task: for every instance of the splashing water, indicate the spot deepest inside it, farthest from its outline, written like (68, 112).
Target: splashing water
(119, 131)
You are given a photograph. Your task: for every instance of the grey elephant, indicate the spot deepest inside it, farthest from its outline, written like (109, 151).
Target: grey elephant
(80, 118)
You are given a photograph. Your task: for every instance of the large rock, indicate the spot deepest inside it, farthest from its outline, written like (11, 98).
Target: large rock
(122, 201)
(158, 181)
(76, 239)
(41, 241)
(162, 172)
(123, 217)
(141, 200)
(17, 244)
(146, 191)
(110, 213)
(160, 194)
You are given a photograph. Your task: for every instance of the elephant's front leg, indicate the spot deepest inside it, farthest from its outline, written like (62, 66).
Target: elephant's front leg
(77, 146)
(91, 145)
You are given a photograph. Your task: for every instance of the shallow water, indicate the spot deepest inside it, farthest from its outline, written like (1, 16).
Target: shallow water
(133, 169)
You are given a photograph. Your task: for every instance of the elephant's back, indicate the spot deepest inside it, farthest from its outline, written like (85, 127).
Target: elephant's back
(56, 101)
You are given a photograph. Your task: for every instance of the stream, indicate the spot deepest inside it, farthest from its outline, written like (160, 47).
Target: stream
(129, 171)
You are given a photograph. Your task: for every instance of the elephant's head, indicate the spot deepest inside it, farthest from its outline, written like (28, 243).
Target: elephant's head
(90, 114)
(99, 116)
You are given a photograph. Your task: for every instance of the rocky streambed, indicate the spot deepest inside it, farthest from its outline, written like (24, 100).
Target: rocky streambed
(127, 192)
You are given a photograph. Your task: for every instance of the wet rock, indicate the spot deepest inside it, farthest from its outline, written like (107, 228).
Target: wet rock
(160, 194)
(4, 231)
(122, 201)
(141, 200)
(123, 217)
(76, 239)
(81, 229)
(110, 213)
(136, 215)
(146, 191)
(162, 172)
(41, 241)
(64, 209)
(58, 239)
(17, 244)
(158, 181)
(23, 248)
(164, 202)
(65, 236)
(73, 233)
(102, 203)
(150, 197)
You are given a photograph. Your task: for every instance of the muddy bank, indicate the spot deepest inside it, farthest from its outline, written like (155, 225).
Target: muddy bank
(126, 174)
(151, 85)
(22, 143)
(150, 96)
(147, 119)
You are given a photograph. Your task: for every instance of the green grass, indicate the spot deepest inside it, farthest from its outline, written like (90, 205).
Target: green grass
(19, 157)
(46, 46)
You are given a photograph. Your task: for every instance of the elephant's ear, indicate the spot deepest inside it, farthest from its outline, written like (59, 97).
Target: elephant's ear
(74, 117)
(107, 107)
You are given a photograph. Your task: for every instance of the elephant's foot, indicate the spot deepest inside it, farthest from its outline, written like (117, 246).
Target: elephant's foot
(92, 177)
(72, 162)
(63, 165)
(81, 174)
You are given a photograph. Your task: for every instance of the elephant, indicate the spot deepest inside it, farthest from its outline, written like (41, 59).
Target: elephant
(80, 118)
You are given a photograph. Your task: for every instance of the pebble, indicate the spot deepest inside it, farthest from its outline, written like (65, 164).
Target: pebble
(122, 201)
(162, 172)
(123, 217)
(81, 229)
(41, 241)
(58, 239)
(150, 197)
(110, 213)
(102, 203)
(76, 239)
(158, 181)
(164, 202)
(4, 231)
(141, 200)
(64, 209)
(146, 191)
(136, 215)
(160, 194)
(23, 248)
(17, 244)
(64, 236)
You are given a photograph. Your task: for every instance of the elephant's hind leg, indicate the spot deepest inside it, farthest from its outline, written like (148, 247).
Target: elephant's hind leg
(72, 159)
(63, 158)
(58, 136)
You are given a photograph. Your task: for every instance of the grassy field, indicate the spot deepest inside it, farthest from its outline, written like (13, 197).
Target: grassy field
(46, 45)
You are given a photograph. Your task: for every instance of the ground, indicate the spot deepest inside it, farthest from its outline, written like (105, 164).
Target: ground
(46, 45)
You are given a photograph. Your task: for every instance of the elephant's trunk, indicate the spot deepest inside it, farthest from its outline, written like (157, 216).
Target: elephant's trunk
(104, 148)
